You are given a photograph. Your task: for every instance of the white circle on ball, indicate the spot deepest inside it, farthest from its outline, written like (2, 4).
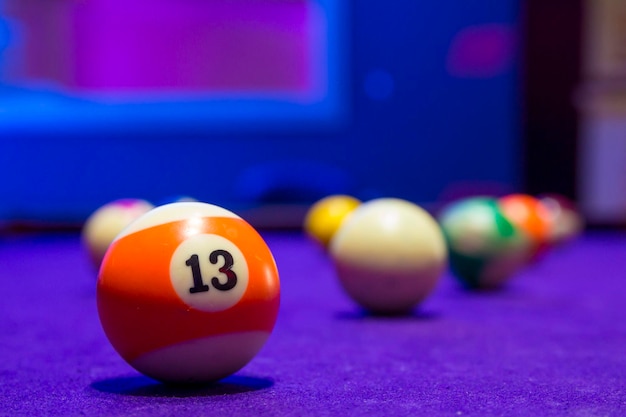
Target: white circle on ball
(209, 272)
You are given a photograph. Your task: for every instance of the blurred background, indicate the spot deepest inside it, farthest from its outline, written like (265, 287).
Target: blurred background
(253, 104)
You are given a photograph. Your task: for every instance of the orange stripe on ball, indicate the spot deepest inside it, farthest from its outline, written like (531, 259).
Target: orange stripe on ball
(140, 310)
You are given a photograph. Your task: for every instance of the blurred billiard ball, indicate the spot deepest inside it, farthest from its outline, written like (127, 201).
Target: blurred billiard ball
(530, 216)
(107, 221)
(486, 248)
(566, 221)
(188, 293)
(324, 218)
(389, 255)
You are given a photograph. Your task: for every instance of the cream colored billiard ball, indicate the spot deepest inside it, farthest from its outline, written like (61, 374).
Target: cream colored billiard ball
(389, 255)
(107, 222)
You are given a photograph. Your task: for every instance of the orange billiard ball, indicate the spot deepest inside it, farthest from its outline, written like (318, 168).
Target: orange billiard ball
(528, 214)
(188, 293)
(324, 218)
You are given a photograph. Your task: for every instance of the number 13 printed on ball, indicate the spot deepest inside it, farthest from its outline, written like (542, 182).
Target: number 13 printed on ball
(197, 258)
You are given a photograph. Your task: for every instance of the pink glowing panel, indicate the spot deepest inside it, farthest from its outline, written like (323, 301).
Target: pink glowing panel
(482, 51)
(235, 46)
(42, 40)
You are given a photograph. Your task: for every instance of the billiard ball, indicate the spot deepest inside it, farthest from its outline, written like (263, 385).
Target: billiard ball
(486, 248)
(107, 221)
(529, 215)
(323, 218)
(188, 293)
(389, 255)
(566, 222)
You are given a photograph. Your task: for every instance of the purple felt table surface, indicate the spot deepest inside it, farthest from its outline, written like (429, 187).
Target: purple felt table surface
(552, 343)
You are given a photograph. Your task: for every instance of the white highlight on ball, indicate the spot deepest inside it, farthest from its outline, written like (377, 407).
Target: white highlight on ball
(176, 212)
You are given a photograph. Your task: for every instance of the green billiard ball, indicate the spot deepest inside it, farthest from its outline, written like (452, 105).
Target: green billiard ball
(485, 247)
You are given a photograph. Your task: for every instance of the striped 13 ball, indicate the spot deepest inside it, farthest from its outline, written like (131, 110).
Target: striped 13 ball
(189, 292)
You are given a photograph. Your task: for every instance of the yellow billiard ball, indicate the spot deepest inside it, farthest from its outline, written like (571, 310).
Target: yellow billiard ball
(324, 218)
